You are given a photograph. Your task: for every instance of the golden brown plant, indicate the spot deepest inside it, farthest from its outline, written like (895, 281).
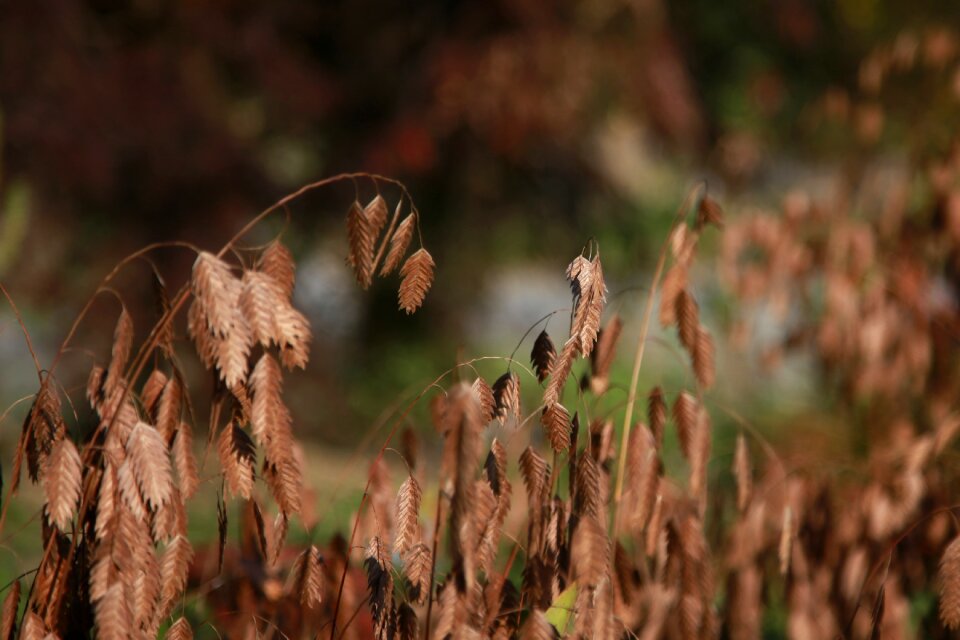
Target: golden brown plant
(117, 558)
(613, 528)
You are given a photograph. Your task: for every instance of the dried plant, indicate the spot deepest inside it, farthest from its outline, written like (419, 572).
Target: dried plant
(543, 355)
(417, 273)
(116, 556)
(408, 516)
(614, 534)
(950, 585)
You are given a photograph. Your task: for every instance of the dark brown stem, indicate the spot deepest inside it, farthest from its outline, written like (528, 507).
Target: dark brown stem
(26, 334)
(353, 617)
(433, 563)
(346, 563)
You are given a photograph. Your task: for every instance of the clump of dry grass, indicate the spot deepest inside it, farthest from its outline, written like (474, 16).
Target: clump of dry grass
(116, 553)
(601, 538)
(629, 549)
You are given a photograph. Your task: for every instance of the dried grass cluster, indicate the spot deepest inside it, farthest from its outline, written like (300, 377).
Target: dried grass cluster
(116, 556)
(601, 538)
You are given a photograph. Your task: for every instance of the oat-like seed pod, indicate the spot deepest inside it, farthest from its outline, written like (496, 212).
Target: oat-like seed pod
(185, 462)
(408, 515)
(657, 414)
(700, 455)
(786, 540)
(216, 289)
(673, 283)
(173, 570)
(703, 358)
(180, 630)
(120, 352)
(506, 395)
(950, 585)
(376, 213)
(602, 356)
(149, 395)
(307, 577)
(8, 614)
(587, 499)
(537, 627)
(111, 612)
(709, 212)
(646, 490)
(688, 320)
(62, 483)
(655, 526)
(277, 262)
(416, 568)
(488, 403)
(151, 464)
(685, 410)
(238, 459)
(408, 627)
(380, 584)
(168, 409)
(589, 297)
(543, 355)
(417, 274)
(361, 240)
(399, 243)
(533, 469)
(560, 371)
(556, 422)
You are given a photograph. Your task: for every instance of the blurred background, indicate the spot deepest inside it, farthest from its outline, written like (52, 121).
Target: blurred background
(522, 128)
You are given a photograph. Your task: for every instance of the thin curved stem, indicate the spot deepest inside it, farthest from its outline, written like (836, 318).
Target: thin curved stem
(638, 357)
(26, 334)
